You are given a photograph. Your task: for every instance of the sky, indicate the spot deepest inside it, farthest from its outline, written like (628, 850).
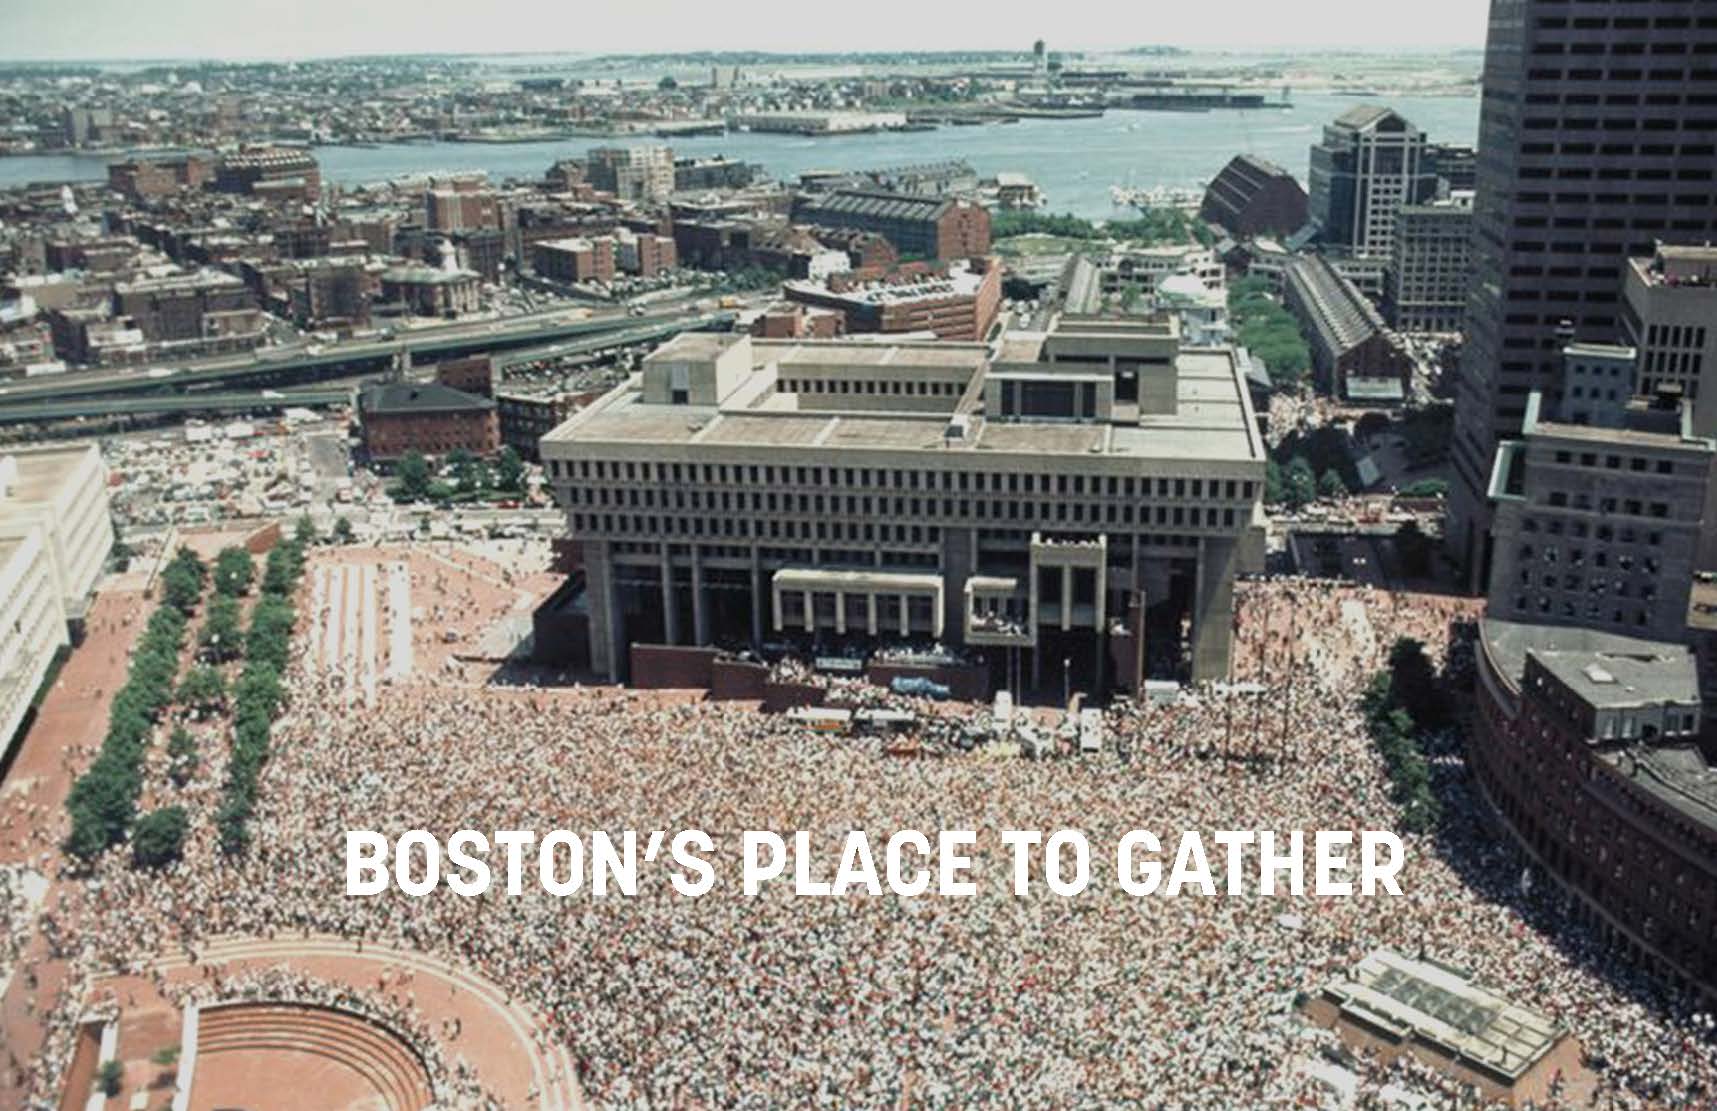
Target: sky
(91, 29)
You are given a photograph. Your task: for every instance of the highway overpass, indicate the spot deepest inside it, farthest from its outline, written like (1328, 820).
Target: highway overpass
(174, 395)
(277, 367)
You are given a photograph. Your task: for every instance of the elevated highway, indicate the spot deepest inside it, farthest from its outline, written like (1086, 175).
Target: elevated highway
(252, 385)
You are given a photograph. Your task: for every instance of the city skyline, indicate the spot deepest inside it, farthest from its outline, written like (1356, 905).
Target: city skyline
(109, 30)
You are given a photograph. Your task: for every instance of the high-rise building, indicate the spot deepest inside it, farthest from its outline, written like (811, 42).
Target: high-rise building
(636, 173)
(1371, 162)
(1598, 136)
(1428, 274)
(1669, 314)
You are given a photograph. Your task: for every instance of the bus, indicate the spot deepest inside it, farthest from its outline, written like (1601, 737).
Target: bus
(823, 719)
(879, 720)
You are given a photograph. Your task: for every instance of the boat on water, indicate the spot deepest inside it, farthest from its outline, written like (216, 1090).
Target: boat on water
(1157, 196)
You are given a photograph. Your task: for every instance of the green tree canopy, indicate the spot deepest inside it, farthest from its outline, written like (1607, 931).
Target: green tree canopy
(412, 474)
(234, 571)
(159, 838)
(221, 637)
(203, 689)
(509, 470)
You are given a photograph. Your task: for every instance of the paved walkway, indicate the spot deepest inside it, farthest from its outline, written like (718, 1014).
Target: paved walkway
(60, 744)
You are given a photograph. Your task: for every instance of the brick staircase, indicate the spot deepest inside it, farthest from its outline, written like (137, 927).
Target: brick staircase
(384, 1060)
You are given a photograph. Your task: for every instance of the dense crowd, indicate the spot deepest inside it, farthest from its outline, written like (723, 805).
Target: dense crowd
(778, 1000)
(17, 908)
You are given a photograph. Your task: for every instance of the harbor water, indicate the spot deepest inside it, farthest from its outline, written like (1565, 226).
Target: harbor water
(1074, 162)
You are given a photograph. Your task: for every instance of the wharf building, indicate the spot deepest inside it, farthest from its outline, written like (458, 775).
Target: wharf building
(919, 227)
(1252, 197)
(817, 122)
(263, 169)
(1083, 495)
(1354, 353)
(1597, 137)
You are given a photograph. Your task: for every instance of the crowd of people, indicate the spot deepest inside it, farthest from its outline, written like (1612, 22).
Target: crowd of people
(782, 1000)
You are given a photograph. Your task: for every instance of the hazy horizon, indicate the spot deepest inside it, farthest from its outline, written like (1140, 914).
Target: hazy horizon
(204, 30)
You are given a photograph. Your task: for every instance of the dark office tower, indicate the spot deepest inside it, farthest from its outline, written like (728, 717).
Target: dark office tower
(1595, 139)
(1371, 162)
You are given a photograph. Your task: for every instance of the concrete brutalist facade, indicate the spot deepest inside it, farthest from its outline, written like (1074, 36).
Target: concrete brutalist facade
(1042, 499)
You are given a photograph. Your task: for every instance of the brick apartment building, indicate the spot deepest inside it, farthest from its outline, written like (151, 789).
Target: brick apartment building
(793, 320)
(940, 228)
(143, 179)
(575, 260)
(181, 307)
(960, 304)
(472, 374)
(426, 417)
(645, 254)
(252, 170)
(526, 418)
(460, 203)
(428, 291)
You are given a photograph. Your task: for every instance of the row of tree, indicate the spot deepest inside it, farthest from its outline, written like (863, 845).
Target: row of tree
(102, 803)
(463, 477)
(1151, 227)
(1268, 331)
(1297, 484)
(1403, 705)
(258, 694)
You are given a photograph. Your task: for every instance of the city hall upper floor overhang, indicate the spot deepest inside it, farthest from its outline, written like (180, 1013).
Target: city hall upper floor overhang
(706, 395)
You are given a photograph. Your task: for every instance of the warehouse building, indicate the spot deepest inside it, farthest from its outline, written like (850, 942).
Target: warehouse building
(1252, 197)
(919, 227)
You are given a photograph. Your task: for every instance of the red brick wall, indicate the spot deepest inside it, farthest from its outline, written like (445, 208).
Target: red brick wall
(391, 435)
(963, 231)
(671, 667)
(738, 681)
(472, 374)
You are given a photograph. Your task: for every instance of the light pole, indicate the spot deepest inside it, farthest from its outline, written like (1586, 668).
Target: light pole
(1066, 681)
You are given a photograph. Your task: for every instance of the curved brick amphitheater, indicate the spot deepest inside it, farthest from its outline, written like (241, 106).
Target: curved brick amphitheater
(507, 1045)
(303, 1056)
